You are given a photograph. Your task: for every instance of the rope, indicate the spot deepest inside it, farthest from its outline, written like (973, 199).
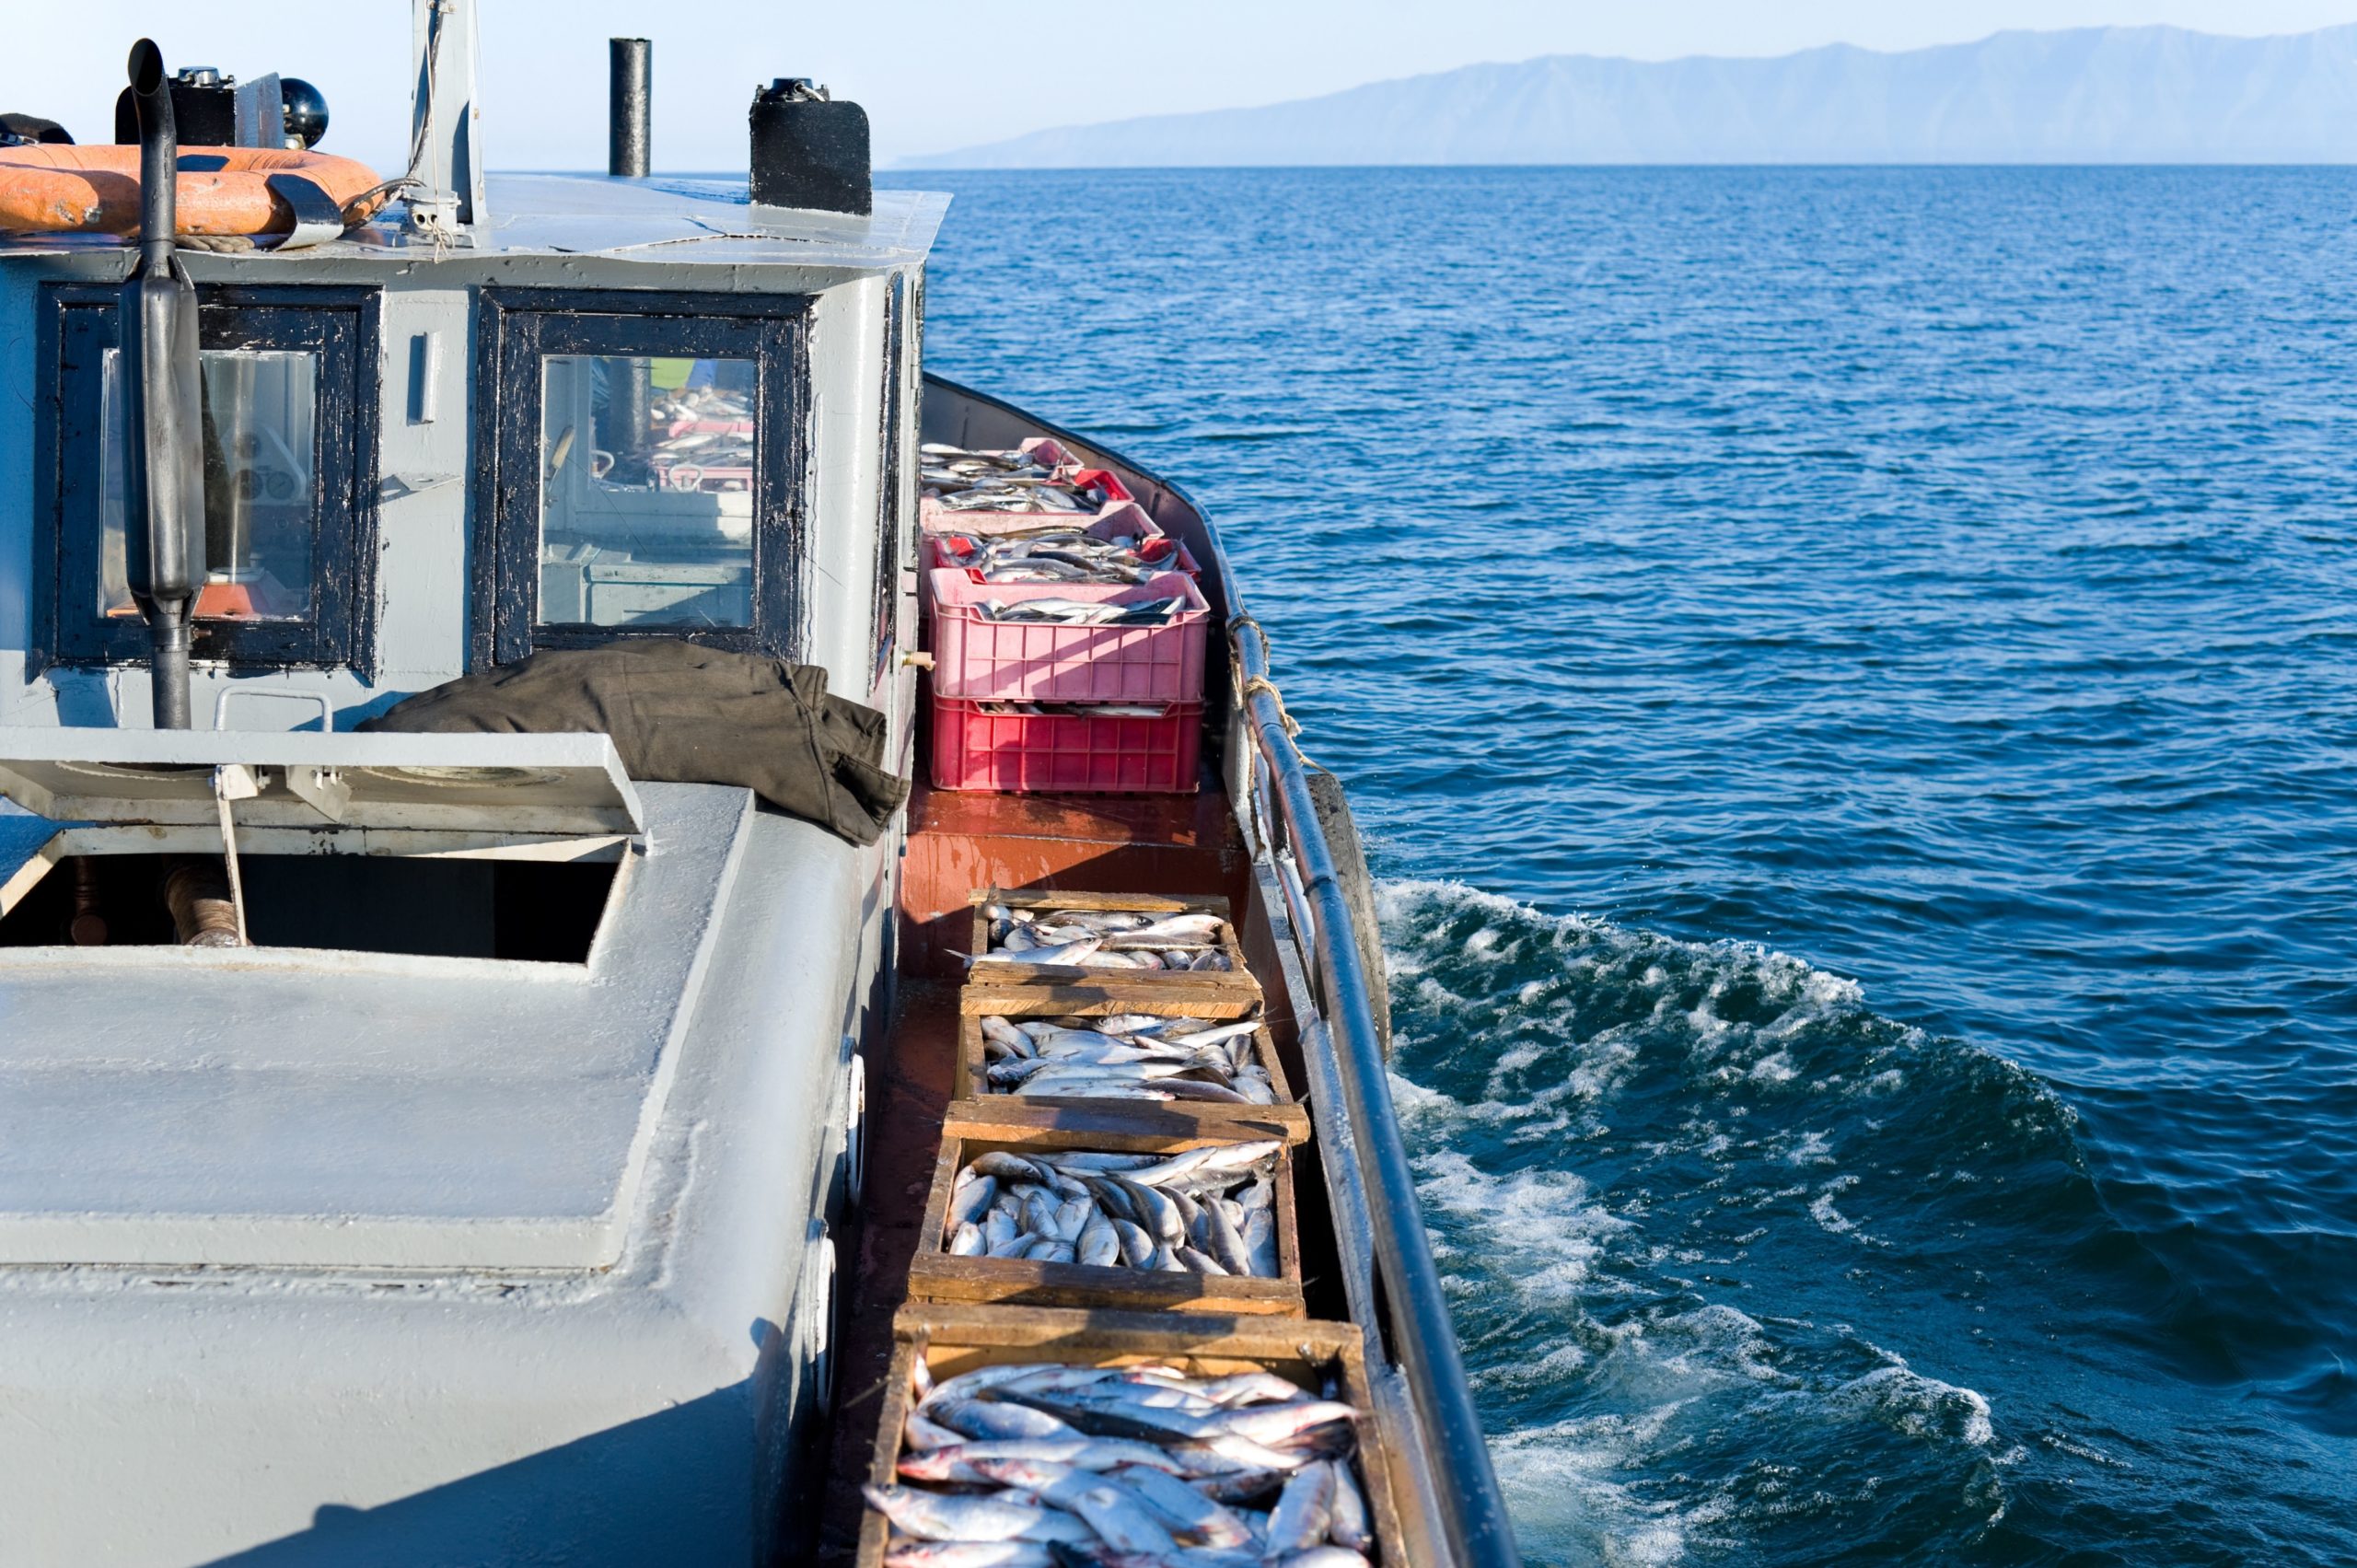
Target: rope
(1248, 687)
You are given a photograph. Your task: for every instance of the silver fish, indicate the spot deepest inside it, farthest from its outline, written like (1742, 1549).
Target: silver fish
(1083, 1159)
(1063, 953)
(1099, 1245)
(1260, 1242)
(1274, 1424)
(1007, 1034)
(1115, 1513)
(1226, 1245)
(968, 1554)
(1248, 1388)
(1137, 1246)
(1210, 1157)
(1242, 1029)
(1007, 1167)
(1241, 1485)
(923, 1434)
(938, 1516)
(1303, 1513)
(1349, 1526)
(986, 1419)
(956, 1463)
(1184, 1508)
(972, 1198)
(967, 1241)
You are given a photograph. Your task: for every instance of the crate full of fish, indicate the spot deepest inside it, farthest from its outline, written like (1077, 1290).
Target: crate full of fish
(1192, 1440)
(1173, 946)
(1159, 1213)
(1129, 1049)
(1070, 643)
(1025, 748)
(1124, 545)
(975, 487)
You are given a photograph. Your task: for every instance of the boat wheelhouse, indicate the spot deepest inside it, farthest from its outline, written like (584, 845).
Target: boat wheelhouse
(535, 1175)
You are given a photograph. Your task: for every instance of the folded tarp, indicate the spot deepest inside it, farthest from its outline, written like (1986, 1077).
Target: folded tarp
(679, 712)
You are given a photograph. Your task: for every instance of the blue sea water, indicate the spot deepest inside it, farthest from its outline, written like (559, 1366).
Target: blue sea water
(1851, 678)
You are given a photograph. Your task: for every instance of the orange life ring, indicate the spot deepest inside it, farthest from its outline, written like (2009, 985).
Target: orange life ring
(48, 189)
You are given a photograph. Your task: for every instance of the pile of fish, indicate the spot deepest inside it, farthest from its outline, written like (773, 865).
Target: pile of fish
(1126, 1056)
(1060, 555)
(1208, 1210)
(700, 430)
(988, 480)
(1049, 1466)
(1072, 612)
(1101, 939)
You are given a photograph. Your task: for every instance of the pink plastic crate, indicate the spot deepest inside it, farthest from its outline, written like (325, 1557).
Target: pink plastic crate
(976, 656)
(1073, 751)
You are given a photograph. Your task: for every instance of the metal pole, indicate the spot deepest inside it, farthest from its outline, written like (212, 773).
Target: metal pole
(164, 525)
(630, 106)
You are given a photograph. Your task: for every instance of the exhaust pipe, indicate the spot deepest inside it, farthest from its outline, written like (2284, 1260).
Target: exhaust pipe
(630, 106)
(164, 532)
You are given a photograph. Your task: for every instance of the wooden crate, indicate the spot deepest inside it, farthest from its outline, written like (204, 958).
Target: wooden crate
(1209, 985)
(957, 1339)
(1035, 1001)
(936, 1276)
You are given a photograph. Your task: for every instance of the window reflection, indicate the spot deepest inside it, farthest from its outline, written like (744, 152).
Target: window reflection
(259, 500)
(647, 492)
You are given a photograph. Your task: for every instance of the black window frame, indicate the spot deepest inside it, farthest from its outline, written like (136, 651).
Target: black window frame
(338, 323)
(891, 553)
(515, 329)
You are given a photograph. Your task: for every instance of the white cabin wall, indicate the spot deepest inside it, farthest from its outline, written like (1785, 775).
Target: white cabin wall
(426, 533)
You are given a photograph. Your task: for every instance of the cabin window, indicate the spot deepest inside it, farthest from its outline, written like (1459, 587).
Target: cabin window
(289, 453)
(890, 551)
(640, 470)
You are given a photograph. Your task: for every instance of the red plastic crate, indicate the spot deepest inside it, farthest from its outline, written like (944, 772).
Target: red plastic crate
(1077, 751)
(1033, 661)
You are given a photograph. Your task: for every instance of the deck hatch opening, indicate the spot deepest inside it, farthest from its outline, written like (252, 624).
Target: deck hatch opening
(458, 847)
(473, 906)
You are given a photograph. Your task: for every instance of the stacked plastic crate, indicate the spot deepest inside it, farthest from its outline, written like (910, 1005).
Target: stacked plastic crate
(1044, 700)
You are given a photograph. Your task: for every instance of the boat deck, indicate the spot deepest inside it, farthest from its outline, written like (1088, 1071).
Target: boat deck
(1166, 844)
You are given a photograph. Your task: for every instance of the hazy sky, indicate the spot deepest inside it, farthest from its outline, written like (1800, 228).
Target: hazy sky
(936, 75)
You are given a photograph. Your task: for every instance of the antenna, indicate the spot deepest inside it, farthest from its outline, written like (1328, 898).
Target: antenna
(443, 157)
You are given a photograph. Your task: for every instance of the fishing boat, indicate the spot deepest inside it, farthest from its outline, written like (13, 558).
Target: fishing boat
(454, 1146)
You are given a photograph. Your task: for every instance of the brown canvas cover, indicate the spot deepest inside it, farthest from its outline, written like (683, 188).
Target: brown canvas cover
(679, 712)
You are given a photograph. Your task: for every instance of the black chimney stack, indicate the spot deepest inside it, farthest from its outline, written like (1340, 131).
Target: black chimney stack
(810, 151)
(630, 106)
(163, 511)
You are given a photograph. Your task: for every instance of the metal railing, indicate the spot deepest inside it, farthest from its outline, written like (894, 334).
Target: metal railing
(1472, 1516)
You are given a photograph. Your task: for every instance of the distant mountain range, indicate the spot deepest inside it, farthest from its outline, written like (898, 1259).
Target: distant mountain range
(2088, 95)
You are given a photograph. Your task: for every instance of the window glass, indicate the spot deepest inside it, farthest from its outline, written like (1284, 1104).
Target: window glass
(646, 491)
(261, 495)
